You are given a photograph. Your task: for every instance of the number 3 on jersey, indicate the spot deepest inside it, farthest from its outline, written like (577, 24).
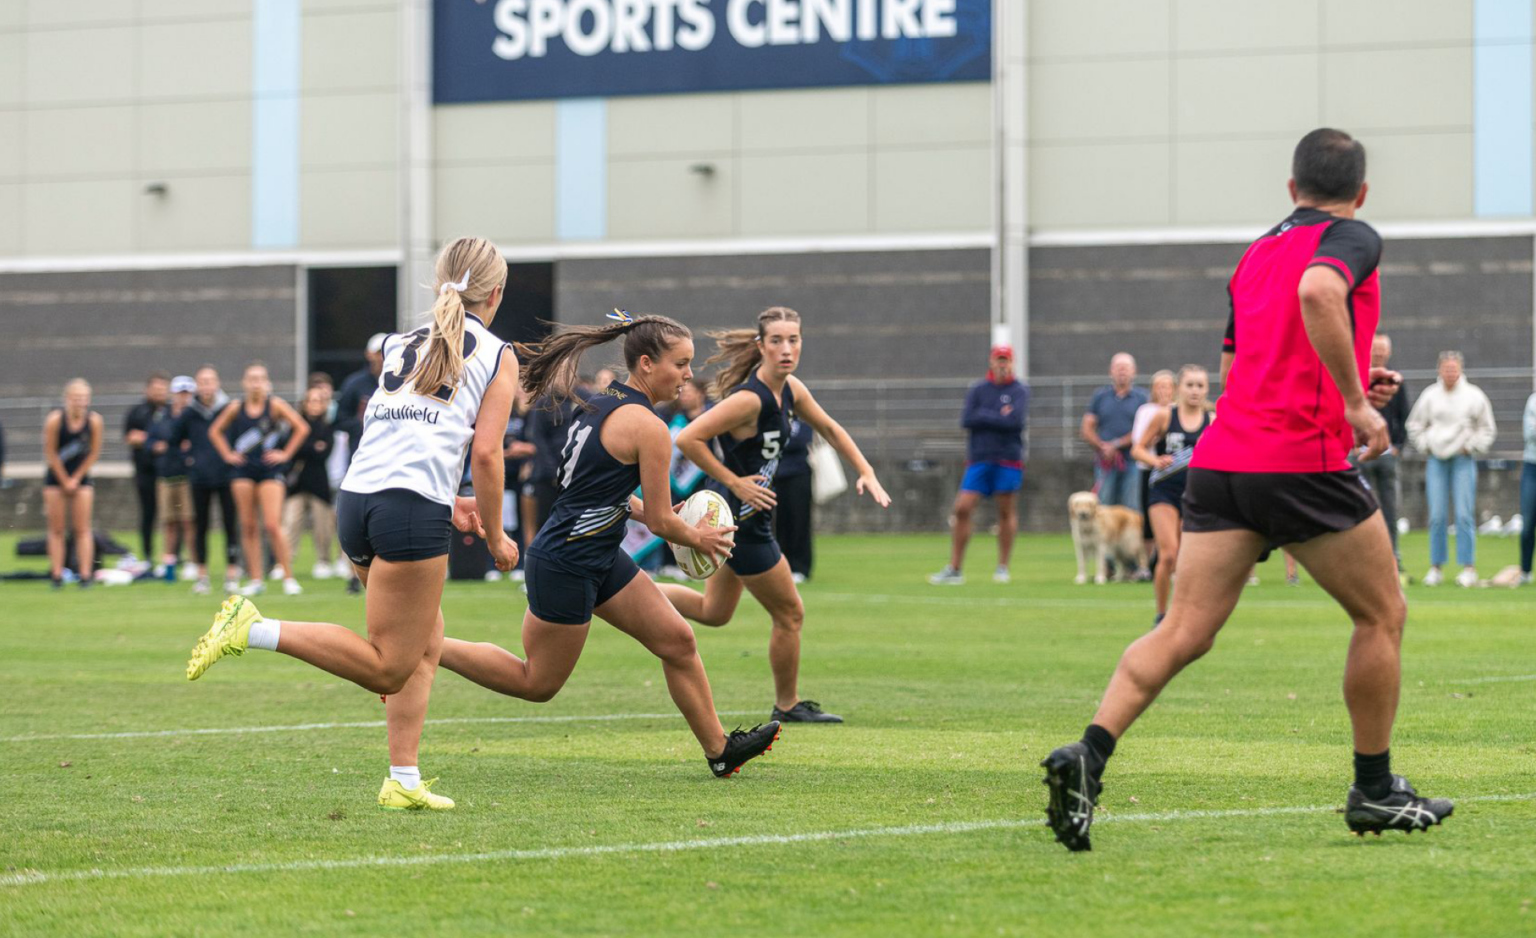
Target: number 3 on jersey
(392, 380)
(575, 439)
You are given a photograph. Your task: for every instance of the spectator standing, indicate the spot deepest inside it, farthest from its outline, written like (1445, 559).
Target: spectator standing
(309, 487)
(546, 429)
(1528, 491)
(1452, 425)
(173, 493)
(995, 410)
(1159, 400)
(792, 516)
(357, 388)
(209, 475)
(1107, 427)
(136, 434)
(1382, 472)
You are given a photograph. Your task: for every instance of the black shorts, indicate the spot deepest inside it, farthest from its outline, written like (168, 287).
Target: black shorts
(396, 524)
(257, 471)
(1163, 495)
(565, 594)
(754, 557)
(51, 481)
(1283, 507)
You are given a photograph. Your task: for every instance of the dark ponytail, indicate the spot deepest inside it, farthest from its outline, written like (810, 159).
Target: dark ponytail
(738, 348)
(550, 367)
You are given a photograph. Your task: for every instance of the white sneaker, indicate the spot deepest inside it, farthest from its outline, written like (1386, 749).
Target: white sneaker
(493, 576)
(1525, 579)
(1433, 577)
(949, 576)
(291, 587)
(278, 573)
(254, 588)
(189, 571)
(231, 585)
(1466, 578)
(674, 572)
(1253, 580)
(322, 571)
(519, 575)
(1000, 575)
(798, 578)
(200, 588)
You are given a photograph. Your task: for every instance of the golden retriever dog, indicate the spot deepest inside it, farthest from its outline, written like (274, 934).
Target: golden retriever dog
(1101, 533)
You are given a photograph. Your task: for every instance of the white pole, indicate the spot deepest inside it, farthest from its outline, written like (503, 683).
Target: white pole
(415, 165)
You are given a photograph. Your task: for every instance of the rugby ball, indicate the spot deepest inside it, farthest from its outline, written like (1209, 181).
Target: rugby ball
(702, 504)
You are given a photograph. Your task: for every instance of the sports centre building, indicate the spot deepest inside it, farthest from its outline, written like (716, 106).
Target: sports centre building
(188, 181)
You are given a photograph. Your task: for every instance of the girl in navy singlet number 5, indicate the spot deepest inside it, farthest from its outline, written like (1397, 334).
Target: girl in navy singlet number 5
(759, 396)
(1171, 436)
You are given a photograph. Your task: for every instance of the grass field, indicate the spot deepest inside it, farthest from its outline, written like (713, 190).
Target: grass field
(135, 803)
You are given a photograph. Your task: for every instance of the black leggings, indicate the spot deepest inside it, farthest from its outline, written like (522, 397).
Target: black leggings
(144, 482)
(202, 505)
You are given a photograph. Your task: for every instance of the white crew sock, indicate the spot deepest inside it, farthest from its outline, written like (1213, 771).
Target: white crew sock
(408, 776)
(264, 634)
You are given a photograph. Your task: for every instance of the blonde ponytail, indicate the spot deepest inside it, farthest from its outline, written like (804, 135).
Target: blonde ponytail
(468, 271)
(738, 348)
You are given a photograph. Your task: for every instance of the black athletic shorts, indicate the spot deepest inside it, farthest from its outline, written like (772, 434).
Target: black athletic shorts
(753, 557)
(396, 524)
(51, 481)
(1284, 507)
(257, 471)
(566, 595)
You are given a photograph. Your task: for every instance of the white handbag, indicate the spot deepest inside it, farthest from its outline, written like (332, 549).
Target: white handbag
(827, 477)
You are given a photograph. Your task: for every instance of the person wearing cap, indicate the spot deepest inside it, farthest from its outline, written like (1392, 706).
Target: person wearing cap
(173, 491)
(995, 411)
(360, 385)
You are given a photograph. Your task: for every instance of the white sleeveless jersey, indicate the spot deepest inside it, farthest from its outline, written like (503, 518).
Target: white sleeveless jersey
(416, 439)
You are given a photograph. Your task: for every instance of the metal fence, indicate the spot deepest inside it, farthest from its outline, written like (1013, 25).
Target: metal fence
(915, 418)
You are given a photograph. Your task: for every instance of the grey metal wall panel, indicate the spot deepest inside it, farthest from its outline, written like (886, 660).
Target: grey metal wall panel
(114, 327)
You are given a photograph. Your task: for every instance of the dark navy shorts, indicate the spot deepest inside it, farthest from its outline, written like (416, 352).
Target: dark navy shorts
(566, 595)
(255, 470)
(754, 557)
(396, 524)
(1164, 494)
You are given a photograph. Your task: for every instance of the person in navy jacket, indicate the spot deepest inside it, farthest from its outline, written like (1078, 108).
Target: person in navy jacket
(995, 410)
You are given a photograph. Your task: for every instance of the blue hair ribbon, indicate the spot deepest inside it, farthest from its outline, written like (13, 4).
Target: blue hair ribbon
(622, 316)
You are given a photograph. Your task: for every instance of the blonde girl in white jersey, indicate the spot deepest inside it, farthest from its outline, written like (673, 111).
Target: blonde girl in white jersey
(444, 388)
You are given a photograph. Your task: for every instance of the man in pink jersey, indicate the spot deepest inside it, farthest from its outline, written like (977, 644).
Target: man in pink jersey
(1273, 470)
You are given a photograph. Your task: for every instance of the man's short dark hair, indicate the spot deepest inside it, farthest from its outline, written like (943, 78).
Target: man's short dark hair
(1329, 166)
(158, 376)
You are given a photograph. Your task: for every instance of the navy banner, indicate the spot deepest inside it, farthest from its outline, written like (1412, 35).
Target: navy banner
(502, 50)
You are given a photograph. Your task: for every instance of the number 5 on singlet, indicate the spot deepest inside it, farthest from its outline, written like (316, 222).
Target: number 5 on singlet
(771, 444)
(575, 439)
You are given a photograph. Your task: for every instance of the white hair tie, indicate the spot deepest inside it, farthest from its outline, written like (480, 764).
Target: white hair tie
(461, 285)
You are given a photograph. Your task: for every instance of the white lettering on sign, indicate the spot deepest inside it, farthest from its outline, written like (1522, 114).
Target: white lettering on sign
(527, 28)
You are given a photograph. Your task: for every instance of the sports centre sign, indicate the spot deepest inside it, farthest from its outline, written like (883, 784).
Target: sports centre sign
(501, 50)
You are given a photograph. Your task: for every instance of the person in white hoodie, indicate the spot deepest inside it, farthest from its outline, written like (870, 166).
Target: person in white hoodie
(1452, 425)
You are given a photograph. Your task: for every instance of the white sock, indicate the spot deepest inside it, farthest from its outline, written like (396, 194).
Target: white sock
(264, 634)
(408, 776)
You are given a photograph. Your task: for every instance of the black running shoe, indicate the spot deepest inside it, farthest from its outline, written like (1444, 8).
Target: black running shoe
(1401, 810)
(806, 711)
(742, 746)
(1071, 773)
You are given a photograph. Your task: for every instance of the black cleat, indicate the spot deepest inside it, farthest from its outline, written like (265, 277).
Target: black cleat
(1071, 773)
(1401, 810)
(742, 746)
(806, 711)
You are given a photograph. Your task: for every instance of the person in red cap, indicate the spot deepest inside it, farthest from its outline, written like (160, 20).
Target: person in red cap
(995, 409)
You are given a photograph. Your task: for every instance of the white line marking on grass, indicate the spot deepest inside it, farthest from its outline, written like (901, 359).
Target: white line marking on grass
(1021, 603)
(359, 724)
(33, 877)
(1494, 679)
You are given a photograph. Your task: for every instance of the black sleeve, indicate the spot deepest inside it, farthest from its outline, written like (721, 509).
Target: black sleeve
(137, 419)
(1229, 341)
(1350, 247)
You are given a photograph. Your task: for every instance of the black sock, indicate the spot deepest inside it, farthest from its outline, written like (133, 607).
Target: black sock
(1100, 742)
(1373, 774)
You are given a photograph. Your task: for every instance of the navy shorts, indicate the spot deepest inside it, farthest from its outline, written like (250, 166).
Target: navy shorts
(566, 595)
(255, 470)
(754, 557)
(991, 478)
(1161, 494)
(52, 481)
(396, 524)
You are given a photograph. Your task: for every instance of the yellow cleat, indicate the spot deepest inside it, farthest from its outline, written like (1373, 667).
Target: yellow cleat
(396, 797)
(229, 635)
